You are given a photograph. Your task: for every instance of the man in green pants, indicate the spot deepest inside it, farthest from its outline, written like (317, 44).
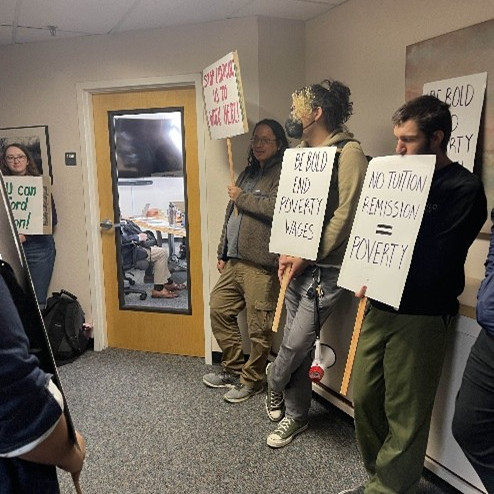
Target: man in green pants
(401, 352)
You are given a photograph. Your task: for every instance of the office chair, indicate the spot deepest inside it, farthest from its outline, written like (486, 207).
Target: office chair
(131, 260)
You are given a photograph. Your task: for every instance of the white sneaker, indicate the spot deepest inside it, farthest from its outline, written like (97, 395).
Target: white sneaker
(287, 429)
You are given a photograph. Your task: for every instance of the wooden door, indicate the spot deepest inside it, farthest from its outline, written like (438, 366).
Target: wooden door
(143, 330)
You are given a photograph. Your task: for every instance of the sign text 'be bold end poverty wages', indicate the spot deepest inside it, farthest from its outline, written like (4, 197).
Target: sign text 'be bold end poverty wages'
(301, 201)
(386, 225)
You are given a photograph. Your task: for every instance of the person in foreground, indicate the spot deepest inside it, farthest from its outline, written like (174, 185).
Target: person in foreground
(248, 270)
(39, 250)
(318, 115)
(473, 421)
(134, 247)
(400, 352)
(34, 434)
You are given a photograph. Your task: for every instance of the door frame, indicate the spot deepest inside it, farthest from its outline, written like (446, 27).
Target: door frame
(85, 92)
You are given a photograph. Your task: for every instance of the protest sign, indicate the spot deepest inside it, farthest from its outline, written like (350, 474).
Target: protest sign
(12, 254)
(223, 98)
(386, 225)
(465, 95)
(301, 201)
(30, 201)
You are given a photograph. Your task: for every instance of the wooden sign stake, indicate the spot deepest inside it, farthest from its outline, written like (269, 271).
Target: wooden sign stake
(230, 160)
(77, 487)
(353, 346)
(281, 298)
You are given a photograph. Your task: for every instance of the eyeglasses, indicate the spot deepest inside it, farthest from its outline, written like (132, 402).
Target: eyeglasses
(261, 140)
(11, 159)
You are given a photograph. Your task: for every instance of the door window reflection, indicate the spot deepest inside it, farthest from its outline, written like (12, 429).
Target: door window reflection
(149, 176)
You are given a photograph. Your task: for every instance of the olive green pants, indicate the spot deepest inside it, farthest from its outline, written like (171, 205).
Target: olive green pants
(244, 285)
(397, 370)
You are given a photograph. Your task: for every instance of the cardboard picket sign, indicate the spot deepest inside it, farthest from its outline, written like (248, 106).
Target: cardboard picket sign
(223, 98)
(301, 201)
(30, 202)
(386, 225)
(12, 253)
(465, 95)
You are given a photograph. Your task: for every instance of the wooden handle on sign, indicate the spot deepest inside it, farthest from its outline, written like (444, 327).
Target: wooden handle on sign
(230, 164)
(230, 160)
(353, 346)
(77, 486)
(281, 298)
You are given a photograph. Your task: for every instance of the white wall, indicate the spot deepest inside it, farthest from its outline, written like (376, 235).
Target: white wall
(363, 44)
(38, 82)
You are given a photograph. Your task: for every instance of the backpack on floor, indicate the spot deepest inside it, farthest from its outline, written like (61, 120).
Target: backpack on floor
(64, 322)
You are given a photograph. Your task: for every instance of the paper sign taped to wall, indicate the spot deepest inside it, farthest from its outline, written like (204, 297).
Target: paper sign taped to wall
(30, 201)
(386, 225)
(224, 99)
(301, 201)
(465, 95)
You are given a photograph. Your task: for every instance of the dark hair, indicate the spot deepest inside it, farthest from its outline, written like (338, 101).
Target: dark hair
(333, 97)
(31, 168)
(429, 113)
(281, 141)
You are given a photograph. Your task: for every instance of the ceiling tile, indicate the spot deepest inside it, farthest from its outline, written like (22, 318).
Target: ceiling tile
(5, 35)
(7, 11)
(157, 13)
(84, 16)
(81, 17)
(24, 35)
(286, 9)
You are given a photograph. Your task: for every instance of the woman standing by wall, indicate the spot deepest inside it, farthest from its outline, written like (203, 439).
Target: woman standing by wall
(39, 249)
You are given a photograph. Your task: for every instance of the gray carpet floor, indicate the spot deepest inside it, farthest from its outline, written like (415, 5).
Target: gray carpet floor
(152, 426)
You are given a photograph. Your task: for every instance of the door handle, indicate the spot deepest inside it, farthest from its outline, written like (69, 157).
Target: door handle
(107, 224)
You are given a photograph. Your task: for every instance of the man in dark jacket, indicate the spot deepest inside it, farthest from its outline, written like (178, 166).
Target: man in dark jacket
(473, 422)
(400, 352)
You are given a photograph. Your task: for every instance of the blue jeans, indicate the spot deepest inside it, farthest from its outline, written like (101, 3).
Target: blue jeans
(40, 256)
(473, 422)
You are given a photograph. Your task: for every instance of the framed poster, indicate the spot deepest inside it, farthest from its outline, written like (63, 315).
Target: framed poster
(457, 54)
(36, 139)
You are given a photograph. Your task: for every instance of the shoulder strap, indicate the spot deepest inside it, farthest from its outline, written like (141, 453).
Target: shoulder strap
(340, 145)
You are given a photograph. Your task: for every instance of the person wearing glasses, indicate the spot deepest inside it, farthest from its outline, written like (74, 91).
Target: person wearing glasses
(39, 249)
(248, 270)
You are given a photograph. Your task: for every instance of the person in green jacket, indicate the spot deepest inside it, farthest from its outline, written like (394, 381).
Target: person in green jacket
(248, 270)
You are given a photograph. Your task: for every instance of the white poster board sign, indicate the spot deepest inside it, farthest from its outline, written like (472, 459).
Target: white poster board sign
(30, 202)
(465, 95)
(223, 98)
(386, 225)
(301, 201)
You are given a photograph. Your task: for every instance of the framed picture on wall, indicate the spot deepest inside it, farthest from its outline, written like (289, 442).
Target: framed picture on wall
(36, 139)
(456, 54)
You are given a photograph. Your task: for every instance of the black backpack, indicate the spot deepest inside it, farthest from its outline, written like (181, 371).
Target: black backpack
(64, 322)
